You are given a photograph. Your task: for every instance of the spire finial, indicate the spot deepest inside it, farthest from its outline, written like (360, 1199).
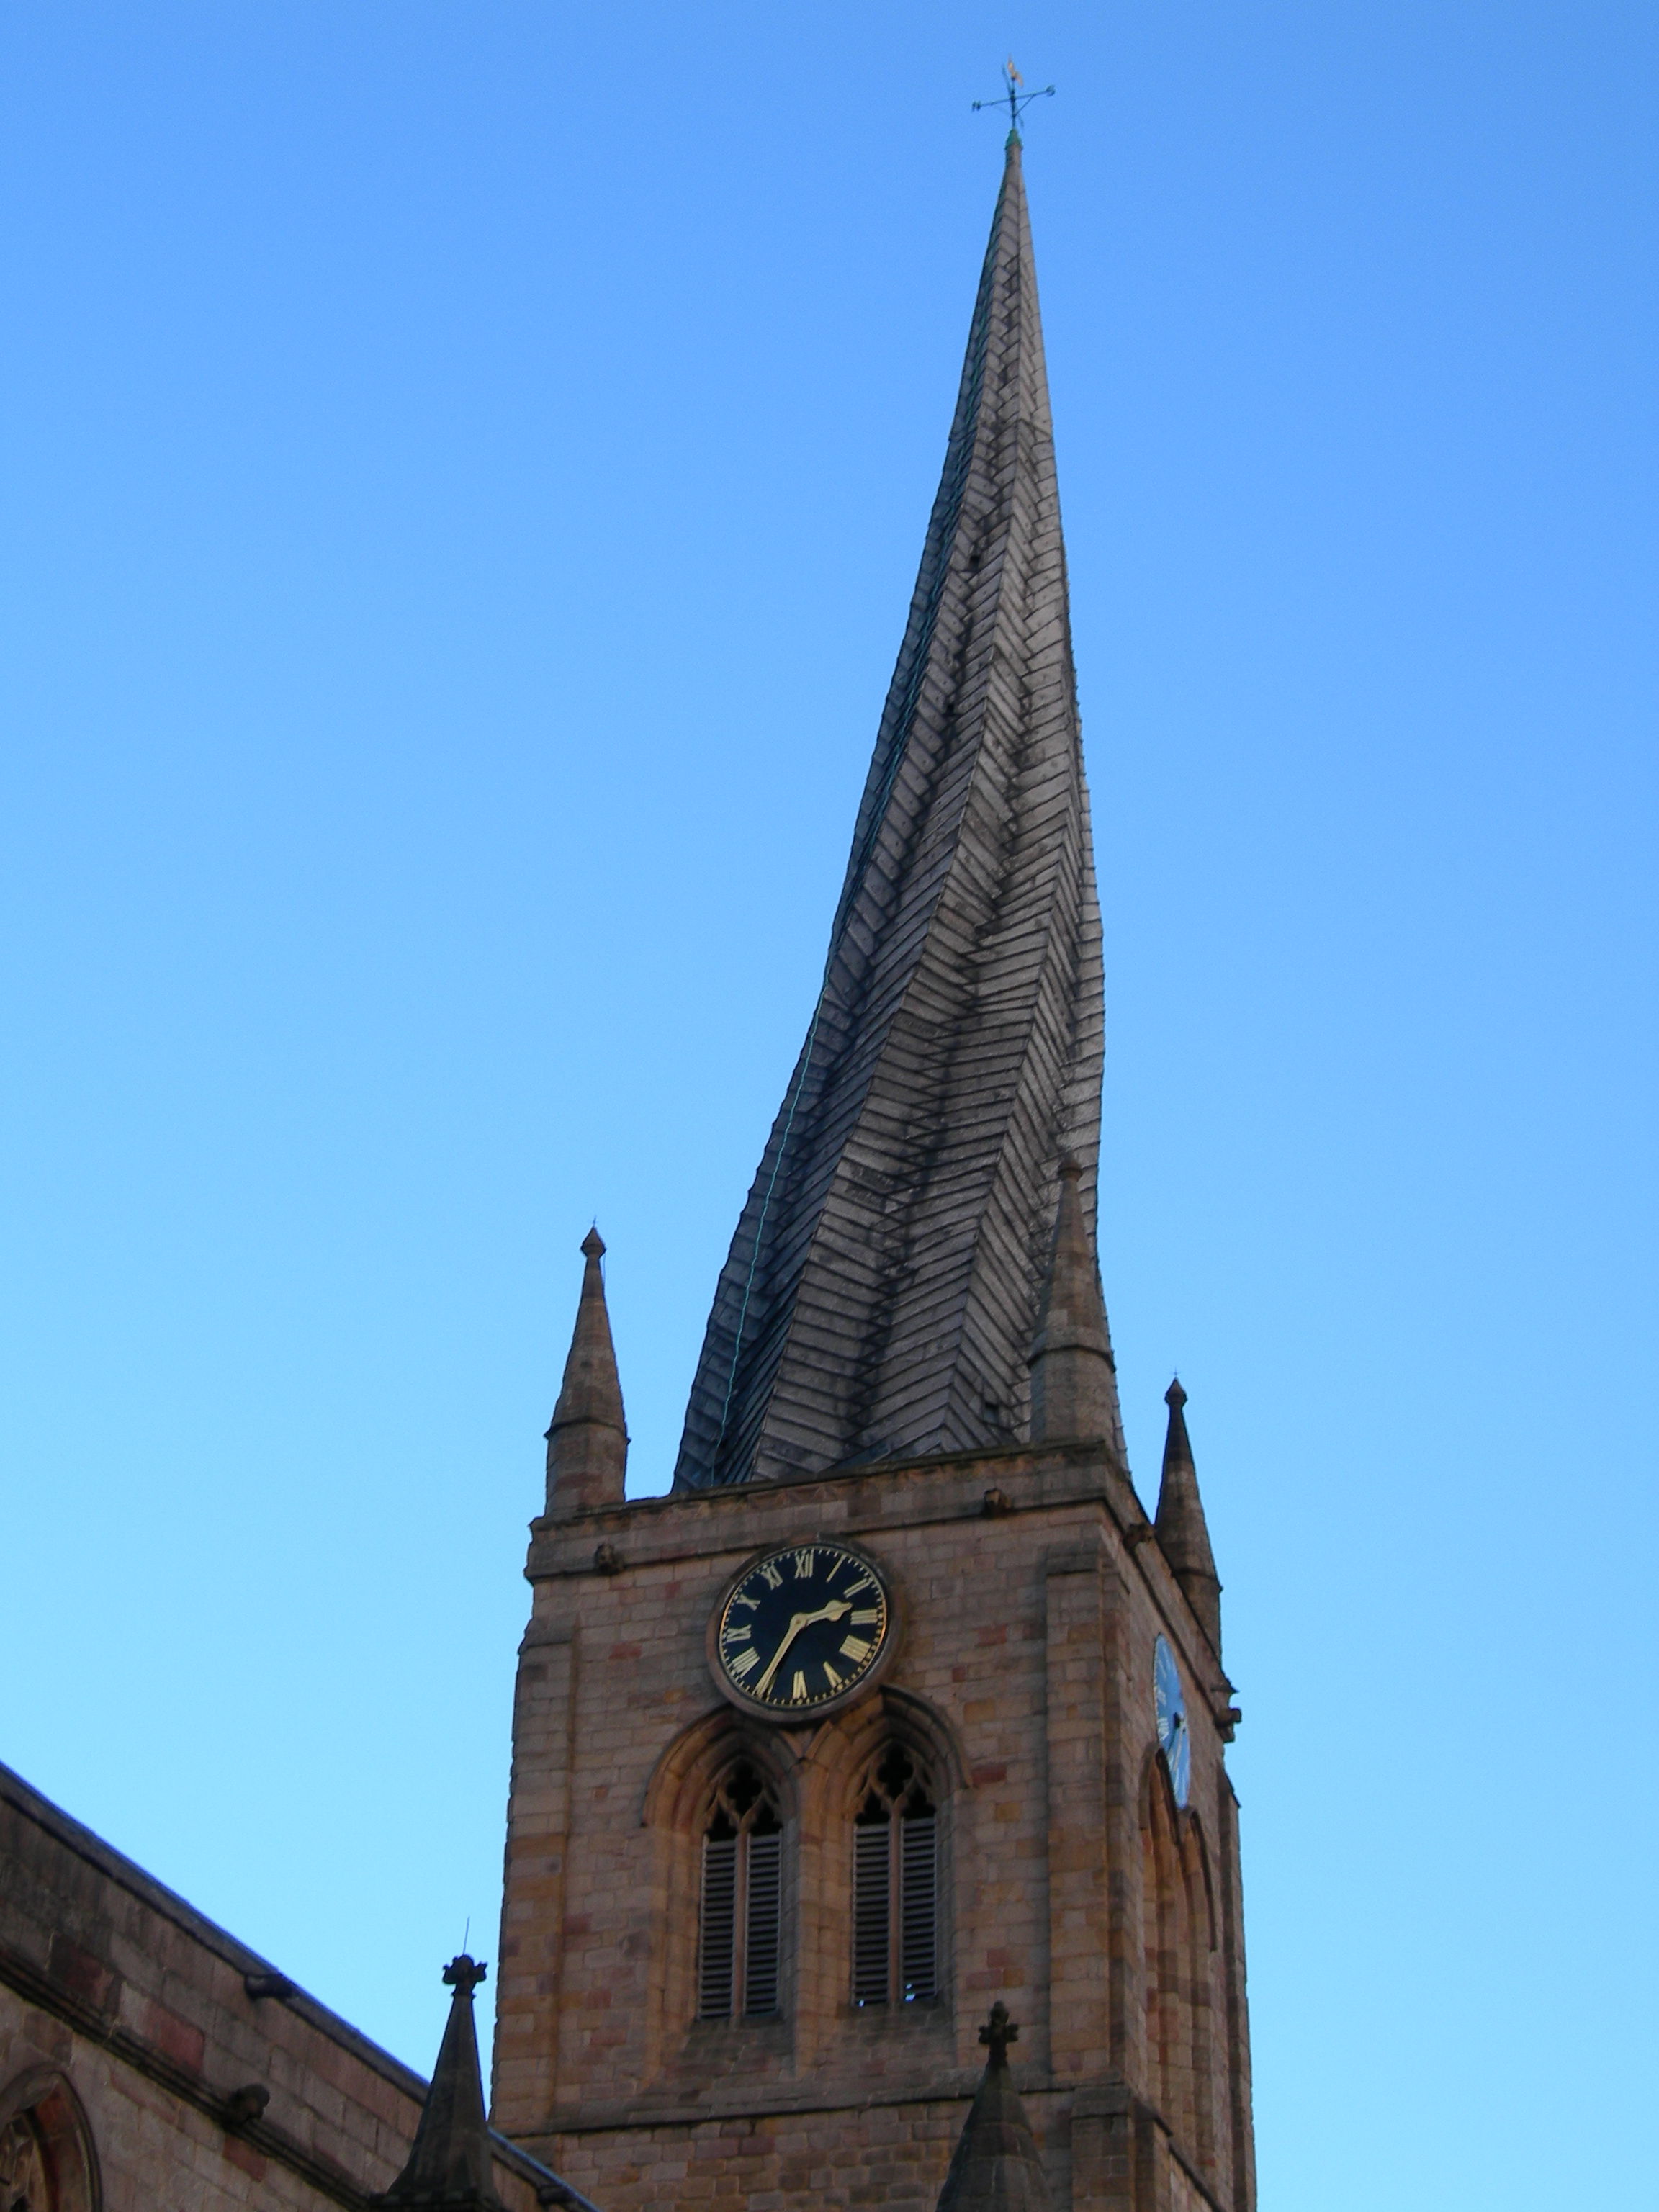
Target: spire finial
(996, 2166)
(1175, 1397)
(1015, 98)
(998, 2033)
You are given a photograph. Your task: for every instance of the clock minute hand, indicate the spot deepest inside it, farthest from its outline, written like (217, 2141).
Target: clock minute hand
(833, 1611)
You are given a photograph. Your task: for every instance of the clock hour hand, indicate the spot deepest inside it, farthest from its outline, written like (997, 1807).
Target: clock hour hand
(833, 1611)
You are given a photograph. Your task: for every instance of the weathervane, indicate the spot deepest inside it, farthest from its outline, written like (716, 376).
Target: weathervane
(1015, 98)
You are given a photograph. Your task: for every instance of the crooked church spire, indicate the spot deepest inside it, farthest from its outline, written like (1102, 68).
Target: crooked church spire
(882, 1293)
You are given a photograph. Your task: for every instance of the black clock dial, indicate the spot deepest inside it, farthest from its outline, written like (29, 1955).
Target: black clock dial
(804, 1627)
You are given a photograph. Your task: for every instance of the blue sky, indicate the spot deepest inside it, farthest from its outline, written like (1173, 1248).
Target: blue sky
(464, 467)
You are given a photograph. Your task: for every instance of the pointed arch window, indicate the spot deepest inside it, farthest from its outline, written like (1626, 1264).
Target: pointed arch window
(740, 1927)
(25, 2167)
(895, 1887)
(47, 2163)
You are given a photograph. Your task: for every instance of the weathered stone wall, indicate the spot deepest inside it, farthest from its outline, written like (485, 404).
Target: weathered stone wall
(1073, 1888)
(127, 2031)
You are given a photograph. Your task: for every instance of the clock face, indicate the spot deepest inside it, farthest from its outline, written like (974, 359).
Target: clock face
(1171, 1706)
(801, 1629)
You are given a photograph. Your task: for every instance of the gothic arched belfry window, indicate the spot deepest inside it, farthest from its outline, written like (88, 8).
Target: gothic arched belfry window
(895, 1887)
(740, 1927)
(46, 2159)
(25, 2178)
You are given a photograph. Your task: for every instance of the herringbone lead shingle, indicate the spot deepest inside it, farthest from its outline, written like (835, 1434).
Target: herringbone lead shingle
(882, 1293)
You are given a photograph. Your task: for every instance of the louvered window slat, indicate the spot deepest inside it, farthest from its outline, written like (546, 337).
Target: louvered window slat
(760, 1979)
(919, 1907)
(871, 1912)
(720, 1898)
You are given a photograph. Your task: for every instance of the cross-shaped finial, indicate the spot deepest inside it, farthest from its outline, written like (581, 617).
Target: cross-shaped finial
(1000, 2031)
(465, 1974)
(1015, 98)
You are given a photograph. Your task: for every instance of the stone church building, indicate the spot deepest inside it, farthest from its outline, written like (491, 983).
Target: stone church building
(869, 1834)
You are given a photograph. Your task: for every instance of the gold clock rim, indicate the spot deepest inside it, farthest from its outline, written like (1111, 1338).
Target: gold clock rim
(806, 1716)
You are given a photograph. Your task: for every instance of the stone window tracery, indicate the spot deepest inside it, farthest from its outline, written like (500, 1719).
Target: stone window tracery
(25, 2182)
(895, 1887)
(740, 1921)
(46, 2159)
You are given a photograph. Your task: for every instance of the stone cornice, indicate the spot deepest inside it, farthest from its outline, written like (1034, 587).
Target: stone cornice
(883, 1496)
(50, 1996)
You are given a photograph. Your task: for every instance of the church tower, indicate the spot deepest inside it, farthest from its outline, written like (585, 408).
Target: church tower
(899, 1703)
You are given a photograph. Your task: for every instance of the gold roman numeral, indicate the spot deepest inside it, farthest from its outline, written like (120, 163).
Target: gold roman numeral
(855, 1648)
(835, 1678)
(798, 1690)
(745, 1662)
(805, 1565)
(867, 1616)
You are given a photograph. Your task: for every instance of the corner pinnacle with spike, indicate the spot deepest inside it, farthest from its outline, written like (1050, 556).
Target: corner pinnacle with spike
(1073, 1384)
(451, 2166)
(996, 2166)
(1182, 1533)
(587, 1438)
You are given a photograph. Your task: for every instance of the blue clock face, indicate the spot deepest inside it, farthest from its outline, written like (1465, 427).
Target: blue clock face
(1173, 1738)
